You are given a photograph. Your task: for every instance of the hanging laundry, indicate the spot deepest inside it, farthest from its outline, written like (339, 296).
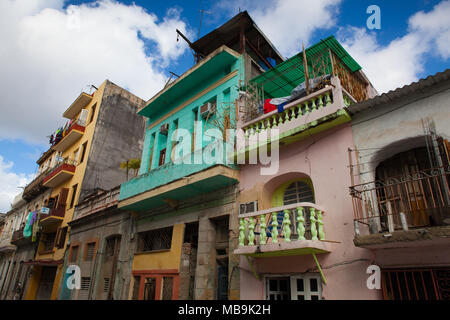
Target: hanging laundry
(27, 230)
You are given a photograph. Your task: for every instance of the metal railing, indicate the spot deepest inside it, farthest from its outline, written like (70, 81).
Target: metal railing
(415, 200)
(298, 221)
(78, 122)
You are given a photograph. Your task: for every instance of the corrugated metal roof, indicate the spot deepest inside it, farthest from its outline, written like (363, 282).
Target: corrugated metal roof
(400, 92)
(280, 80)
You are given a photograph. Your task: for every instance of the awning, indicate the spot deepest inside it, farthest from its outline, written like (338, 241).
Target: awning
(280, 81)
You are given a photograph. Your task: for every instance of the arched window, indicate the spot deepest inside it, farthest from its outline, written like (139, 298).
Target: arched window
(298, 191)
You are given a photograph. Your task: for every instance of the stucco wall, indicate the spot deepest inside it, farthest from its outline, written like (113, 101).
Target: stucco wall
(323, 158)
(397, 126)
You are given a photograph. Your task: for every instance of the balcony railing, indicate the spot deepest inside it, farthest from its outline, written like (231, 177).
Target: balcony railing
(295, 222)
(35, 186)
(60, 172)
(97, 203)
(17, 235)
(69, 135)
(299, 109)
(59, 211)
(417, 200)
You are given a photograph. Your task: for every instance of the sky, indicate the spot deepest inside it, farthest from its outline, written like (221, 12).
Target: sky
(52, 50)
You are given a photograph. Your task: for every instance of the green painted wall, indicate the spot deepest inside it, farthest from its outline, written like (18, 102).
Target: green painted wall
(151, 175)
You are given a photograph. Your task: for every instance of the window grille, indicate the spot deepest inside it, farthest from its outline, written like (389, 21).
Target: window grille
(298, 191)
(167, 288)
(85, 283)
(421, 284)
(90, 251)
(159, 239)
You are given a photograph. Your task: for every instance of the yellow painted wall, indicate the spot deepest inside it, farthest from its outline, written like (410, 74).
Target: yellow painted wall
(77, 178)
(162, 260)
(33, 283)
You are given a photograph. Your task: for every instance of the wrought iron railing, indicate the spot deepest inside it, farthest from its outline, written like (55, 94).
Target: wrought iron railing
(415, 200)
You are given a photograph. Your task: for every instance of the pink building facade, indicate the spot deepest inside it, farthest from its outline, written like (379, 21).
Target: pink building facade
(296, 225)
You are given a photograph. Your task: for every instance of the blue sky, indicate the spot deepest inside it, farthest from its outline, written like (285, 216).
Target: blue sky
(54, 49)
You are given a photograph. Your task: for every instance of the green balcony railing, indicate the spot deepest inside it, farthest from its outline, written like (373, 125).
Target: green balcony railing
(294, 222)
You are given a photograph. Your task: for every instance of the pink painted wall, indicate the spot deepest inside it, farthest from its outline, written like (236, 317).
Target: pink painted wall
(324, 158)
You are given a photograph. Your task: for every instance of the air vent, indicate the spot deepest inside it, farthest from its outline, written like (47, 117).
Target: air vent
(248, 207)
(106, 283)
(85, 283)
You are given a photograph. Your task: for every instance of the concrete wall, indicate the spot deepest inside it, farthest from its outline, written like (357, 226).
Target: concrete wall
(97, 228)
(396, 126)
(118, 137)
(202, 209)
(324, 159)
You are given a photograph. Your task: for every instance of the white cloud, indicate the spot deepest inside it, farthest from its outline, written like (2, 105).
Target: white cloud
(9, 184)
(288, 23)
(401, 61)
(49, 54)
(387, 67)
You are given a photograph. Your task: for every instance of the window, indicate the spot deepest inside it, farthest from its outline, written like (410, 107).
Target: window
(61, 237)
(167, 290)
(92, 112)
(194, 129)
(304, 287)
(160, 239)
(174, 143)
(83, 151)
(74, 193)
(298, 191)
(149, 289)
(277, 289)
(419, 284)
(73, 254)
(49, 241)
(90, 251)
(162, 157)
(152, 146)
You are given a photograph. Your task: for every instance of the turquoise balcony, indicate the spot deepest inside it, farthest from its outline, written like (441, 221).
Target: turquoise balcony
(172, 183)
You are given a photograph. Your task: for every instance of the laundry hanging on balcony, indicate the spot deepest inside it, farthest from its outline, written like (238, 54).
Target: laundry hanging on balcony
(296, 93)
(28, 226)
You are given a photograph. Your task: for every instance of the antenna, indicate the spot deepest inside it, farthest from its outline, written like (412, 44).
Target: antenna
(201, 18)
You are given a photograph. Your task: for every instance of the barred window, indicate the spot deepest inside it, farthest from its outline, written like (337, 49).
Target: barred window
(90, 251)
(298, 191)
(160, 239)
(167, 288)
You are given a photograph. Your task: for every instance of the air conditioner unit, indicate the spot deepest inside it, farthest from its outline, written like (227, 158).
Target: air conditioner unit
(248, 207)
(164, 129)
(207, 109)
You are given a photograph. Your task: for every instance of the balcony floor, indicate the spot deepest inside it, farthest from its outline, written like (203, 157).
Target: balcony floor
(420, 237)
(193, 185)
(293, 248)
